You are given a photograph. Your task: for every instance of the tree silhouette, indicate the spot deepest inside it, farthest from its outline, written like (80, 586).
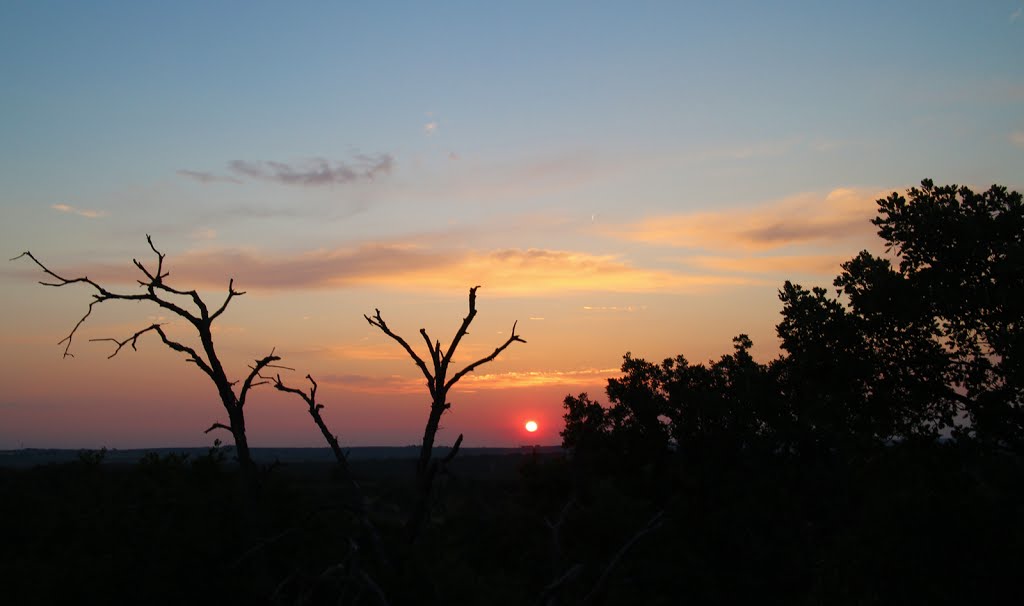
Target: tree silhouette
(158, 292)
(438, 384)
(916, 344)
(730, 405)
(961, 254)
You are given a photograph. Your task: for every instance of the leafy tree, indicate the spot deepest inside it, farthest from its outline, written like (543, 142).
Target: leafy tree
(728, 406)
(919, 343)
(587, 424)
(907, 349)
(962, 255)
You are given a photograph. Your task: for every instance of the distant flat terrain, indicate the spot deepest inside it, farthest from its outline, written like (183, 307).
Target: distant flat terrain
(31, 457)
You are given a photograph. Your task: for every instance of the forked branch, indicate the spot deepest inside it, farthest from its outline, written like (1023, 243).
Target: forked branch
(250, 381)
(314, 411)
(153, 283)
(512, 339)
(193, 355)
(217, 425)
(439, 385)
(158, 292)
(379, 322)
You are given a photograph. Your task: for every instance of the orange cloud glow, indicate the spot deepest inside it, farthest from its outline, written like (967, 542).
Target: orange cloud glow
(509, 271)
(781, 264)
(841, 214)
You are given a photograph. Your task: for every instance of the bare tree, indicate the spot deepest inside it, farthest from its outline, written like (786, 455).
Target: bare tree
(158, 292)
(439, 385)
(314, 411)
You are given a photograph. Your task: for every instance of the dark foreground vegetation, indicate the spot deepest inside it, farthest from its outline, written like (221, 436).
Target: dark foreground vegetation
(876, 461)
(907, 524)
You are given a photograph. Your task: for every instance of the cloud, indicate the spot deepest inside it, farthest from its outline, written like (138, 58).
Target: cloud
(1015, 15)
(842, 214)
(203, 234)
(615, 308)
(391, 384)
(404, 267)
(780, 264)
(1017, 138)
(204, 177)
(430, 128)
(537, 378)
(67, 208)
(318, 171)
(397, 384)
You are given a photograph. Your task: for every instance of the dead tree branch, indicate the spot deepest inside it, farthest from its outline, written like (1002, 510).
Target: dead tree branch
(217, 425)
(314, 411)
(438, 385)
(156, 291)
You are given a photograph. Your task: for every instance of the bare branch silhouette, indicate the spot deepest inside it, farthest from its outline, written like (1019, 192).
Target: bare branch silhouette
(217, 426)
(156, 291)
(439, 385)
(314, 411)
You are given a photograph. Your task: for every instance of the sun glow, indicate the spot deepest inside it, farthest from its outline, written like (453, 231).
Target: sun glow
(531, 426)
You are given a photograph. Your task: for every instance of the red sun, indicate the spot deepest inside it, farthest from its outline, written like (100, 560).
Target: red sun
(531, 426)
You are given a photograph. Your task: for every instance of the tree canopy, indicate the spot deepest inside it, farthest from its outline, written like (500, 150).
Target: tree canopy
(919, 342)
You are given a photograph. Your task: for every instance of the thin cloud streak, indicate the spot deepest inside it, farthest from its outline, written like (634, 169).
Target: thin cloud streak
(408, 268)
(204, 177)
(316, 172)
(473, 382)
(537, 378)
(843, 214)
(784, 264)
(81, 212)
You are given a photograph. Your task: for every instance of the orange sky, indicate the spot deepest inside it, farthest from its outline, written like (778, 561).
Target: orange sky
(616, 180)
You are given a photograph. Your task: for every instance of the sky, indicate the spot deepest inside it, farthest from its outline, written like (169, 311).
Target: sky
(617, 177)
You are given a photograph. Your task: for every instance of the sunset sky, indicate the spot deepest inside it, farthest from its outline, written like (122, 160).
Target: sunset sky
(616, 176)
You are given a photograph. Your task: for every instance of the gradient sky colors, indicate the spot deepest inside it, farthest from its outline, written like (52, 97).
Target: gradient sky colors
(617, 176)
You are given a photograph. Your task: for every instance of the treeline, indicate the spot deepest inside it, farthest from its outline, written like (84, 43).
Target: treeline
(916, 346)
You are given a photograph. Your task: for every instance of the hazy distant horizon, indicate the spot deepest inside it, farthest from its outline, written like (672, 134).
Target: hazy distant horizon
(30, 457)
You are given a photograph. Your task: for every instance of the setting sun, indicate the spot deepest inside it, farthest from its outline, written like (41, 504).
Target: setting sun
(531, 426)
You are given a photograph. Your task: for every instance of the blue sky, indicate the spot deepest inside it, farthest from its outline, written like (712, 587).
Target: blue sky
(612, 168)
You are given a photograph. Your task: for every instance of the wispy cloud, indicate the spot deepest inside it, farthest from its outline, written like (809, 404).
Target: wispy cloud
(82, 212)
(204, 177)
(395, 384)
(204, 233)
(775, 264)
(430, 128)
(1017, 138)
(538, 378)
(318, 171)
(405, 267)
(615, 308)
(840, 215)
(1015, 15)
(389, 384)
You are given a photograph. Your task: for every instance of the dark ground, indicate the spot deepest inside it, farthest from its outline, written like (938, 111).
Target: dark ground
(906, 526)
